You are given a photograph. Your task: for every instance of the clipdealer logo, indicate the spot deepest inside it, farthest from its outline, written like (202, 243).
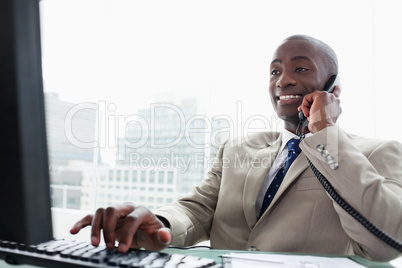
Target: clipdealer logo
(111, 126)
(199, 160)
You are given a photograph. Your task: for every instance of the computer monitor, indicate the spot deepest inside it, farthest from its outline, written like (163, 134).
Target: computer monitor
(25, 214)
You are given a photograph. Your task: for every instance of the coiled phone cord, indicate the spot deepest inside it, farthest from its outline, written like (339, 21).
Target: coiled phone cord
(353, 212)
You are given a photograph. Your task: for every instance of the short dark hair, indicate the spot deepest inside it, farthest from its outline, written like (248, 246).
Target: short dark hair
(327, 54)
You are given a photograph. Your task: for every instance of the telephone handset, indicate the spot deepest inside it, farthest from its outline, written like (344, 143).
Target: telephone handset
(332, 82)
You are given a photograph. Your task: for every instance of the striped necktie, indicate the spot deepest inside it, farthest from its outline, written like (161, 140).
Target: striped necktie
(294, 151)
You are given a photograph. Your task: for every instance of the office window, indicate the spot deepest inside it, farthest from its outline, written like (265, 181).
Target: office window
(152, 178)
(170, 174)
(143, 176)
(187, 66)
(161, 176)
(170, 180)
(143, 179)
(134, 176)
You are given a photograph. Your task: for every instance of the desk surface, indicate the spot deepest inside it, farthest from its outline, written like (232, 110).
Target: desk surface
(216, 255)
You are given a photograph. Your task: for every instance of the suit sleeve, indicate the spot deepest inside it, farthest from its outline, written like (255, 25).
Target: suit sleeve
(190, 218)
(371, 182)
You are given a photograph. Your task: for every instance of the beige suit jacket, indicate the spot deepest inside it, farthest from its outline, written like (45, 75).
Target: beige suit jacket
(302, 217)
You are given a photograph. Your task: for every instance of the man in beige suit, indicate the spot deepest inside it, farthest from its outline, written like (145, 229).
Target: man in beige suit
(301, 217)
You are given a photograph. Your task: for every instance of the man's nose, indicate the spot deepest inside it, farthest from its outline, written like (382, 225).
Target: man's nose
(286, 79)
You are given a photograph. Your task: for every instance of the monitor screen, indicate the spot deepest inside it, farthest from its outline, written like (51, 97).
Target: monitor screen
(25, 214)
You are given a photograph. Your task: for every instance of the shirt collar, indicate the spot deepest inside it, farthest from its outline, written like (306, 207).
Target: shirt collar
(287, 135)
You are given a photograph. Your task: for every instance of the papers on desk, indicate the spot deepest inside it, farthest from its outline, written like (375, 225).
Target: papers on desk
(248, 260)
(397, 262)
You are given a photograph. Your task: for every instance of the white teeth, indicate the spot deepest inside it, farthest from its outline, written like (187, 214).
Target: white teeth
(287, 97)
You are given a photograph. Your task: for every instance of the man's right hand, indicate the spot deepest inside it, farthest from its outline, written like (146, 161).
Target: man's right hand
(130, 226)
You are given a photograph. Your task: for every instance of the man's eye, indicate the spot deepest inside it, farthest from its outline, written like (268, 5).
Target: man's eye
(301, 69)
(274, 72)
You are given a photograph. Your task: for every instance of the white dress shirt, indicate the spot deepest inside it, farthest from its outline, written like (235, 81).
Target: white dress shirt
(276, 166)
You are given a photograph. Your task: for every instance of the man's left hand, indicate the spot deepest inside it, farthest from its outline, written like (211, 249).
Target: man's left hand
(321, 108)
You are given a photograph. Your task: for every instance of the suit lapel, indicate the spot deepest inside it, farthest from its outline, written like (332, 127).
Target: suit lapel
(255, 178)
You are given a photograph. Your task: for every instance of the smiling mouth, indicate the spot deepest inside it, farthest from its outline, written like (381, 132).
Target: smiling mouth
(288, 97)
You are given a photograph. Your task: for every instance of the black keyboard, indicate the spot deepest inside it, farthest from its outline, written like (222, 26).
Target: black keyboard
(70, 253)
